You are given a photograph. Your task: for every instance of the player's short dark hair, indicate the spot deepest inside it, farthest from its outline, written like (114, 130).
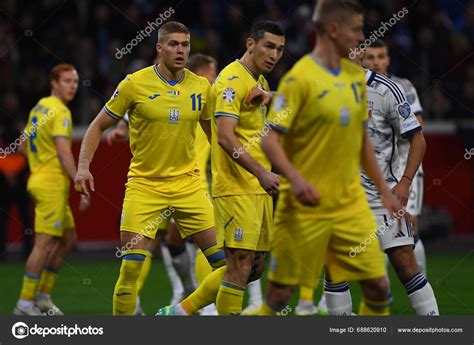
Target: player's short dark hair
(172, 28)
(379, 44)
(259, 28)
(199, 60)
(55, 73)
(334, 9)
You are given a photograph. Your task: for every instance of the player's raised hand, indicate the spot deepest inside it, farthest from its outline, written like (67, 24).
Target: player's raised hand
(270, 182)
(402, 191)
(115, 134)
(84, 182)
(305, 191)
(84, 203)
(259, 96)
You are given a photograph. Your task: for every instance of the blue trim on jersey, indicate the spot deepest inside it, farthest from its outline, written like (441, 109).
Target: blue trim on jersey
(371, 78)
(134, 257)
(248, 70)
(169, 82)
(399, 97)
(223, 113)
(111, 113)
(408, 134)
(335, 72)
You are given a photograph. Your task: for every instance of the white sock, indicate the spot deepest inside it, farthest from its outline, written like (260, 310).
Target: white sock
(322, 305)
(338, 298)
(182, 266)
(24, 304)
(179, 310)
(421, 295)
(420, 256)
(176, 284)
(192, 249)
(42, 296)
(255, 292)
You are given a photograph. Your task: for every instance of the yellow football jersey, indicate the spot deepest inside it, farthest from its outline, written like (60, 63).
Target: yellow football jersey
(48, 119)
(228, 98)
(322, 114)
(163, 116)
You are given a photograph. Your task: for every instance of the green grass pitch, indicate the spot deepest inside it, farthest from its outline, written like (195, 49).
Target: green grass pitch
(85, 287)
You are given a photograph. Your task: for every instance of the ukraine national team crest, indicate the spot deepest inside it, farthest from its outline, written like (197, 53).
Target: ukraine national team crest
(174, 116)
(238, 234)
(345, 116)
(228, 95)
(279, 103)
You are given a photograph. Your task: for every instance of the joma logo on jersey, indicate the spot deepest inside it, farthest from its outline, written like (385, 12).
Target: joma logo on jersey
(174, 116)
(239, 234)
(154, 96)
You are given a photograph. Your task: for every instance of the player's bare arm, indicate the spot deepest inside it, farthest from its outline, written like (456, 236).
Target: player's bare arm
(84, 181)
(206, 127)
(119, 132)
(371, 167)
(231, 144)
(304, 191)
(415, 157)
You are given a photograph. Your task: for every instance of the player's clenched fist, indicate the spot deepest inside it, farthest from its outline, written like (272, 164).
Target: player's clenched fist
(84, 182)
(305, 191)
(270, 182)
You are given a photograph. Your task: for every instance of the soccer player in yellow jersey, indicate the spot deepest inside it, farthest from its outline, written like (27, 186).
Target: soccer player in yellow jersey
(242, 183)
(318, 143)
(175, 256)
(48, 134)
(164, 103)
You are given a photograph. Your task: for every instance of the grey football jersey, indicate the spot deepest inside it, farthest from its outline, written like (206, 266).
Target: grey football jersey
(390, 119)
(414, 101)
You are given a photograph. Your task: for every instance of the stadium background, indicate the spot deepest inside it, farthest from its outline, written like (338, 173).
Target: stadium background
(431, 46)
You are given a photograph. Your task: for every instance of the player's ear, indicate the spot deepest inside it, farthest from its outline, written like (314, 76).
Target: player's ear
(158, 48)
(332, 27)
(250, 45)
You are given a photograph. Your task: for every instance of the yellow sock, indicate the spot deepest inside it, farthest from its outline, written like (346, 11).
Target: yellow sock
(205, 294)
(48, 280)
(29, 287)
(201, 268)
(306, 294)
(230, 299)
(144, 272)
(125, 292)
(374, 308)
(215, 256)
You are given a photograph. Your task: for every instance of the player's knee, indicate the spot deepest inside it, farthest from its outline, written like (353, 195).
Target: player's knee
(257, 267)
(44, 243)
(279, 295)
(403, 262)
(376, 289)
(240, 262)
(176, 249)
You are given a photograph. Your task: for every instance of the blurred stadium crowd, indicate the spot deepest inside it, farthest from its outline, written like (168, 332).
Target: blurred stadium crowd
(432, 46)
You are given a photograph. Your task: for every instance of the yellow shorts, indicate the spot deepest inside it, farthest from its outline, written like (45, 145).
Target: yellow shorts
(301, 247)
(149, 205)
(50, 194)
(244, 221)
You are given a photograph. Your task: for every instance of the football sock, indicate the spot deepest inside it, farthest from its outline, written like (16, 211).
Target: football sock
(214, 255)
(29, 288)
(202, 267)
(338, 298)
(47, 281)
(125, 292)
(255, 292)
(142, 277)
(421, 295)
(306, 294)
(230, 299)
(205, 294)
(182, 265)
(374, 308)
(172, 275)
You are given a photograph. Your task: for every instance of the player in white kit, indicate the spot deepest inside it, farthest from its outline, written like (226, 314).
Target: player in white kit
(377, 58)
(390, 120)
